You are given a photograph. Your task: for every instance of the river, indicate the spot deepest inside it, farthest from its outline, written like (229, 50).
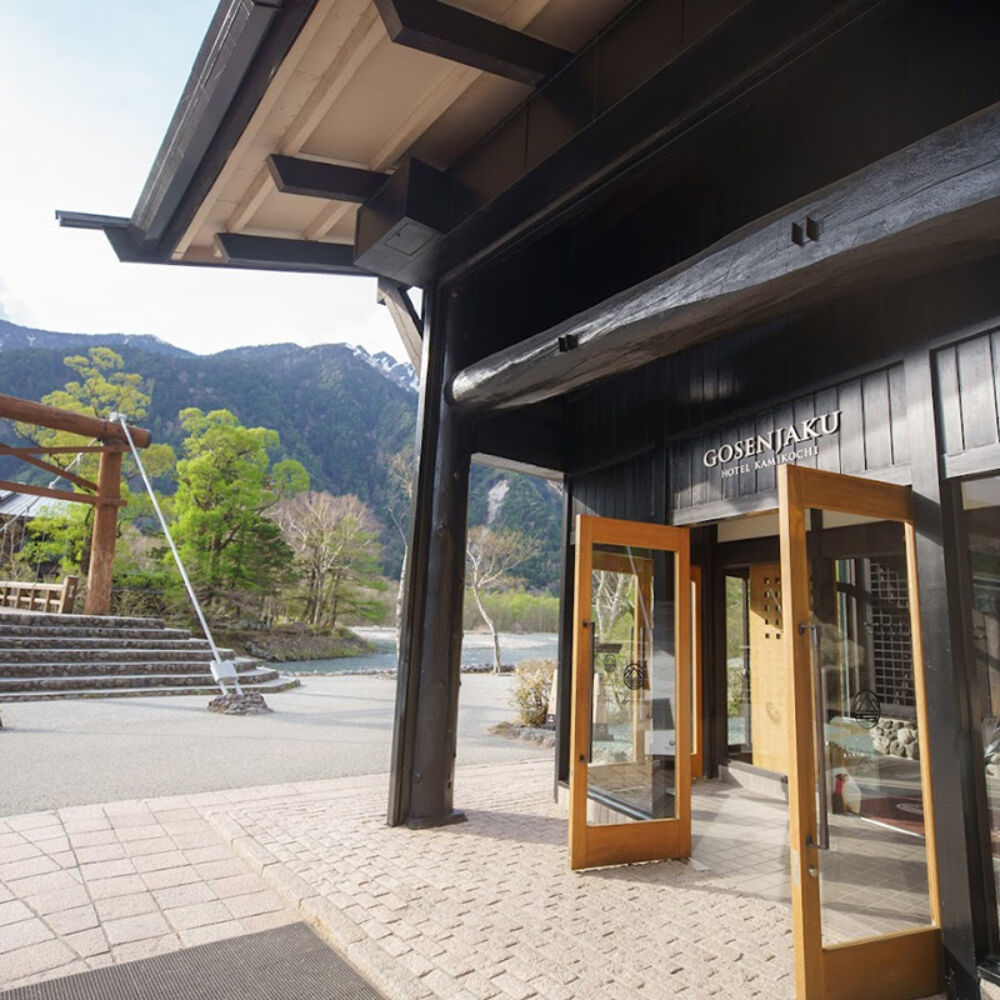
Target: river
(477, 647)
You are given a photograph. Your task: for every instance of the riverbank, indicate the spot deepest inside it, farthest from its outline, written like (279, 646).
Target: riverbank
(477, 653)
(295, 643)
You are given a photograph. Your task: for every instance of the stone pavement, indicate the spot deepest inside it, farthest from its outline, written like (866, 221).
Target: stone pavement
(490, 909)
(482, 910)
(87, 886)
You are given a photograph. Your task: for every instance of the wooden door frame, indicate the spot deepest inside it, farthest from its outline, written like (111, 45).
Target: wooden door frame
(643, 840)
(697, 675)
(896, 966)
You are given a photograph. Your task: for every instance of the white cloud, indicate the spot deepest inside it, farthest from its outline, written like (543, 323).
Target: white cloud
(87, 94)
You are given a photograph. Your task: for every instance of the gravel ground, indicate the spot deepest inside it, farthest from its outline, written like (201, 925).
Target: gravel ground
(62, 753)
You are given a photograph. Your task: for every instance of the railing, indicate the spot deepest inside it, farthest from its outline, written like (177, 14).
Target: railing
(55, 598)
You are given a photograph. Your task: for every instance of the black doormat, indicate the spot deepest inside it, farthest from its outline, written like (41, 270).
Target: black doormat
(288, 963)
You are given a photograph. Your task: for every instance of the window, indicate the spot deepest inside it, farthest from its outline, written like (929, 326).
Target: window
(981, 527)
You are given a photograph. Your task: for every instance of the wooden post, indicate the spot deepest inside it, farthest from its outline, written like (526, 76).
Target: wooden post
(425, 731)
(952, 734)
(102, 546)
(68, 599)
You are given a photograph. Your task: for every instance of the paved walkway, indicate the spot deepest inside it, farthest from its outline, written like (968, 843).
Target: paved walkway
(330, 727)
(89, 886)
(486, 909)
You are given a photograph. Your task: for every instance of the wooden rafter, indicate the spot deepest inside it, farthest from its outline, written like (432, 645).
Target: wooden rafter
(455, 34)
(273, 253)
(45, 491)
(84, 484)
(89, 449)
(312, 179)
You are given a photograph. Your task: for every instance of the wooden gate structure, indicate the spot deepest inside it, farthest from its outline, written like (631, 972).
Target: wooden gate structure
(107, 440)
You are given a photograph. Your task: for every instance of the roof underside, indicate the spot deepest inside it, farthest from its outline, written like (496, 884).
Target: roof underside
(382, 136)
(347, 94)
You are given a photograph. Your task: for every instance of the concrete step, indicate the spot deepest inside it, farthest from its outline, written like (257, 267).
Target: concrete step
(124, 665)
(19, 685)
(36, 618)
(86, 643)
(13, 631)
(139, 654)
(46, 656)
(208, 689)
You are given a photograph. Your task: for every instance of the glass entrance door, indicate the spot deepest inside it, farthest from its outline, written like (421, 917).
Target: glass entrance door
(629, 787)
(863, 869)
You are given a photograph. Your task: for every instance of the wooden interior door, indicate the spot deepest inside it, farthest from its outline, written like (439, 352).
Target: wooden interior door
(630, 788)
(768, 686)
(864, 878)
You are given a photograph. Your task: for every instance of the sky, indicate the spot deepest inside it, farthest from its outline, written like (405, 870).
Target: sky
(86, 93)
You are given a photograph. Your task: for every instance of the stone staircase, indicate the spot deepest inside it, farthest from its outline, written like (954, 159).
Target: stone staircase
(45, 656)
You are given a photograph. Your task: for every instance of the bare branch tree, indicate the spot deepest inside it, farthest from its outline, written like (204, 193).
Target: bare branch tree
(612, 593)
(335, 544)
(490, 556)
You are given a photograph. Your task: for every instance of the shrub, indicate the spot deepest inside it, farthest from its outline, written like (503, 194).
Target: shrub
(515, 611)
(532, 684)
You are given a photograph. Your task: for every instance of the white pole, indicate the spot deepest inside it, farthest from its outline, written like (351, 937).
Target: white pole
(219, 670)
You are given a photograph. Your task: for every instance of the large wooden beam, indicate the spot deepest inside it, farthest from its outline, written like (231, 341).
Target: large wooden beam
(273, 253)
(932, 203)
(27, 412)
(293, 175)
(463, 37)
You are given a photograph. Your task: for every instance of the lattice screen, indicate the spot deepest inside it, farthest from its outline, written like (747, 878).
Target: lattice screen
(892, 648)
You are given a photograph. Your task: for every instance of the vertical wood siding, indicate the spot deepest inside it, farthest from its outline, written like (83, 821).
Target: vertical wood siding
(967, 376)
(871, 439)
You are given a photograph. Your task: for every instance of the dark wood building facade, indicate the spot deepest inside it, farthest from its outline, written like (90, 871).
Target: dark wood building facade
(674, 252)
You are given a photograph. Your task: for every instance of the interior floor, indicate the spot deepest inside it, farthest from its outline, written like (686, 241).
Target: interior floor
(873, 880)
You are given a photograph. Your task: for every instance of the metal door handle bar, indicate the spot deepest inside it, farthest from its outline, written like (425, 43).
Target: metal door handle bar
(822, 840)
(592, 628)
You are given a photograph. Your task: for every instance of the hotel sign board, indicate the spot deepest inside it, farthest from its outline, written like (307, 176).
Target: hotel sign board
(857, 427)
(762, 450)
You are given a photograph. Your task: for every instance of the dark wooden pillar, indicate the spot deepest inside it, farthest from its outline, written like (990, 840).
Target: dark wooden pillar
(102, 544)
(564, 661)
(953, 739)
(424, 737)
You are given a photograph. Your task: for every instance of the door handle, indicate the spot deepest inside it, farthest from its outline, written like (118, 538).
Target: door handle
(822, 840)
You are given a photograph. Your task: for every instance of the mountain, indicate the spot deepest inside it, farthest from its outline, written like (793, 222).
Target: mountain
(13, 337)
(341, 411)
(398, 372)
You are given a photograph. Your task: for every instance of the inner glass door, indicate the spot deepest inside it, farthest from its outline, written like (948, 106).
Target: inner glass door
(864, 882)
(632, 695)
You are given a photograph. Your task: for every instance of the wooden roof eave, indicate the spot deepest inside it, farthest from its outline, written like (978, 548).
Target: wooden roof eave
(245, 43)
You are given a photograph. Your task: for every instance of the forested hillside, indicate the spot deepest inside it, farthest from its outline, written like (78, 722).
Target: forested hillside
(340, 411)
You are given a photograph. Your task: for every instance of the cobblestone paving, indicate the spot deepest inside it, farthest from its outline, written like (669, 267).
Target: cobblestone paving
(482, 910)
(90, 886)
(489, 909)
